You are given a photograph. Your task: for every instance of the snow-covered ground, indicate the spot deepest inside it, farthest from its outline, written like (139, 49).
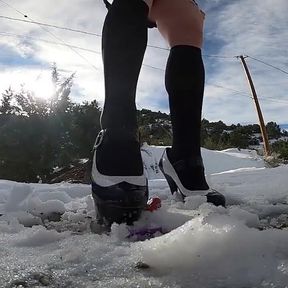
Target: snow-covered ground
(242, 246)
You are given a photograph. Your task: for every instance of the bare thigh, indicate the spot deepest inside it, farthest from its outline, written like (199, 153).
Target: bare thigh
(180, 22)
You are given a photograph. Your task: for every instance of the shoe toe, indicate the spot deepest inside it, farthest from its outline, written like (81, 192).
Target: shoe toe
(216, 198)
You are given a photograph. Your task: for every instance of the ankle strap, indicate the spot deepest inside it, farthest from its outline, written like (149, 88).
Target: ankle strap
(116, 135)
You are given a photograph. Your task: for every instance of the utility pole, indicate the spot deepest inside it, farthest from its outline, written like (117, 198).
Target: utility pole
(267, 150)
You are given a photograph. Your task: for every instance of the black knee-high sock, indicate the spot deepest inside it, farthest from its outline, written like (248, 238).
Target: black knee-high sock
(184, 81)
(124, 40)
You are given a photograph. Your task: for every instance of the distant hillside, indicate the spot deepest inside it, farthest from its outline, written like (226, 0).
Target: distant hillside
(42, 136)
(155, 129)
(284, 127)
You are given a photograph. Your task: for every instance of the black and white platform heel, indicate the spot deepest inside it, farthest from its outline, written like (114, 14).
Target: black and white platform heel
(119, 199)
(173, 173)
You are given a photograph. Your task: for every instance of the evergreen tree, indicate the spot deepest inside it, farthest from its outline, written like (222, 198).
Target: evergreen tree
(85, 127)
(29, 104)
(273, 130)
(7, 108)
(37, 135)
(60, 118)
(281, 148)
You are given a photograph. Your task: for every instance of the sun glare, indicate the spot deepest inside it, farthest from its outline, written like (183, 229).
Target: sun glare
(42, 87)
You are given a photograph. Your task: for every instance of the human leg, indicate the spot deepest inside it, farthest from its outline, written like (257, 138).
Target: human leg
(119, 186)
(124, 41)
(184, 80)
(181, 23)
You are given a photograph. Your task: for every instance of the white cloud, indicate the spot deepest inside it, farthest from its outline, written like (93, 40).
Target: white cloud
(257, 28)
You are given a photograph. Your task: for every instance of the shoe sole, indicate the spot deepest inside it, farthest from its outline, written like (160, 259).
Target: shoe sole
(120, 203)
(212, 196)
(108, 214)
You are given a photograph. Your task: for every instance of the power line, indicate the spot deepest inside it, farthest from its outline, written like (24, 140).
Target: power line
(153, 67)
(99, 35)
(51, 25)
(6, 34)
(218, 56)
(73, 47)
(90, 33)
(7, 4)
(158, 47)
(91, 50)
(53, 35)
(47, 41)
(230, 89)
(273, 100)
(267, 64)
(67, 28)
(246, 94)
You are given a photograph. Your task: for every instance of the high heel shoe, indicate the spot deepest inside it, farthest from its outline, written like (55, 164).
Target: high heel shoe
(120, 197)
(193, 178)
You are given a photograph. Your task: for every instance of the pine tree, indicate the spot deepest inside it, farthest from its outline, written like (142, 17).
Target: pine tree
(7, 108)
(273, 130)
(86, 125)
(37, 135)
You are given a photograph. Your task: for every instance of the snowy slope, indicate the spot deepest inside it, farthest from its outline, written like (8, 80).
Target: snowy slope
(241, 246)
(215, 161)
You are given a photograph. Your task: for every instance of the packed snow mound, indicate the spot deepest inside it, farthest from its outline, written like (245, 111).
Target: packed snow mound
(216, 249)
(46, 238)
(214, 161)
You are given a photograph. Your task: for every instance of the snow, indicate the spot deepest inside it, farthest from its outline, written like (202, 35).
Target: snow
(47, 239)
(215, 161)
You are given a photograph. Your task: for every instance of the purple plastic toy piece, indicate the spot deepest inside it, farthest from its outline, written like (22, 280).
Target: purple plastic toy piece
(144, 233)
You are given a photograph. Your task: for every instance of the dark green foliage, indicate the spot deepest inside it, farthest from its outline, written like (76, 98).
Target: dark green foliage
(281, 148)
(85, 127)
(24, 149)
(284, 133)
(239, 139)
(214, 135)
(273, 130)
(38, 135)
(154, 127)
(7, 108)
(219, 136)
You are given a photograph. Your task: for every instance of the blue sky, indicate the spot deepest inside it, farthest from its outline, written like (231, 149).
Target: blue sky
(256, 28)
